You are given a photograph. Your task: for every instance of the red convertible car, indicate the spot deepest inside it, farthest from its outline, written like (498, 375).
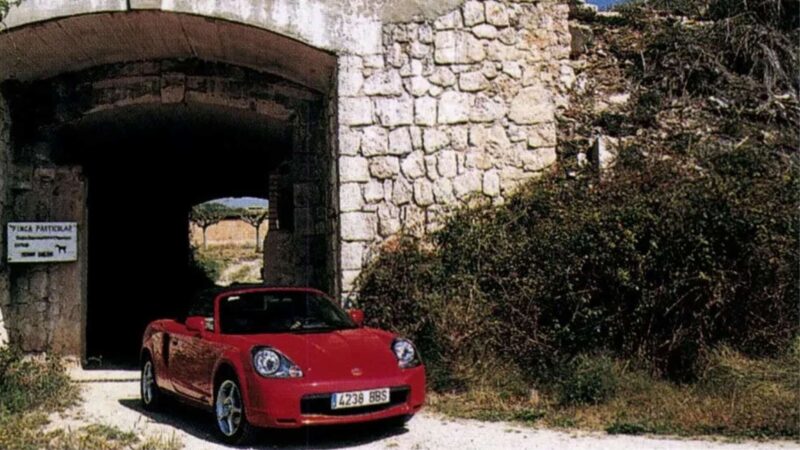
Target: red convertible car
(266, 357)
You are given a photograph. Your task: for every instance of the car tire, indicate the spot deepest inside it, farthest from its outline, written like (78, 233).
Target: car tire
(150, 395)
(230, 416)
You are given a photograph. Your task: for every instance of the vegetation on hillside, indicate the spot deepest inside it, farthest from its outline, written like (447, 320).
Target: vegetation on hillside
(659, 296)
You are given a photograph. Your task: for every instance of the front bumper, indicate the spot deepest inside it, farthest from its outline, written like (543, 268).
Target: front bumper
(292, 403)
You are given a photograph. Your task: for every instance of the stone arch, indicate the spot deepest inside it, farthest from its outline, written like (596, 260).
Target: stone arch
(271, 86)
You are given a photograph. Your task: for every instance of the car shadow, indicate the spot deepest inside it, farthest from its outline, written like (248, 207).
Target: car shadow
(200, 424)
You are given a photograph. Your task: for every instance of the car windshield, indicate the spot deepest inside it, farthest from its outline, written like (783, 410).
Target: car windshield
(280, 312)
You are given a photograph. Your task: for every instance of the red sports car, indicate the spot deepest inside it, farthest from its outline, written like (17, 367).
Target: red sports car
(265, 357)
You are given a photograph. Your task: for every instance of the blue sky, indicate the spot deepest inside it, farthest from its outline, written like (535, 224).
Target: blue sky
(603, 3)
(243, 202)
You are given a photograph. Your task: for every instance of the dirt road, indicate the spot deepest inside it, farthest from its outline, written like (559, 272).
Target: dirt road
(117, 403)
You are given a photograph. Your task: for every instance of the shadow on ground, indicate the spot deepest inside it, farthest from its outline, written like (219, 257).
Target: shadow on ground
(200, 424)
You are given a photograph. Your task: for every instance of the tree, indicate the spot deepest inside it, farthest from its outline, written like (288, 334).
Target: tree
(5, 6)
(206, 214)
(255, 216)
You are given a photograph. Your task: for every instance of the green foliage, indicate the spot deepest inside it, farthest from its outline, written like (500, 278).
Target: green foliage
(659, 261)
(28, 384)
(588, 381)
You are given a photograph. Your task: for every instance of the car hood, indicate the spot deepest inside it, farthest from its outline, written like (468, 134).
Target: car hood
(335, 354)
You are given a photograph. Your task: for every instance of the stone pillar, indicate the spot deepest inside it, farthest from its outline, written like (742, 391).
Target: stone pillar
(48, 310)
(5, 150)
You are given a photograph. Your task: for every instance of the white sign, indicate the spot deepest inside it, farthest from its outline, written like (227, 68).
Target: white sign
(37, 242)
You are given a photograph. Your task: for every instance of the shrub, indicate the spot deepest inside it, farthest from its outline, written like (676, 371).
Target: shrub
(27, 384)
(589, 380)
(659, 261)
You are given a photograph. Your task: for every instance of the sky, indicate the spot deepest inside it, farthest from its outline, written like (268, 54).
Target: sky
(603, 4)
(243, 202)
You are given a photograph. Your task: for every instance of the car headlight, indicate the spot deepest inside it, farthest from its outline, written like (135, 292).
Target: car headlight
(405, 353)
(271, 363)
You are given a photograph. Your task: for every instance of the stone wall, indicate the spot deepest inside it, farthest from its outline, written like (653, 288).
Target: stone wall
(5, 149)
(457, 108)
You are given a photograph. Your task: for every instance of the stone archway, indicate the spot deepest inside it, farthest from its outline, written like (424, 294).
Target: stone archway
(270, 127)
(426, 104)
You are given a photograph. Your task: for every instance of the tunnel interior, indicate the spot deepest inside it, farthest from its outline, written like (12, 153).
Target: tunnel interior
(145, 167)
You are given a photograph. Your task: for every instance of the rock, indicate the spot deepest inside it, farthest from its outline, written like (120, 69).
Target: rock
(352, 255)
(384, 82)
(538, 159)
(468, 183)
(532, 105)
(443, 76)
(417, 86)
(542, 135)
(425, 33)
(454, 107)
(497, 14)
(604, 152)
(447, 164)
(486, 109)
(351, 76)
(449, 21)
(491, 183)
(425, 111)
(389, 220)
(443, 191)
(458, 47)
(423, 192)
(355, 111)
(434, 139)
(397, 111)
(357, 226)
(400, 141)
(374, 141)
(419, 50)
(472, 81)
(459, 137)
(383, 167)
(485, 31)
(512, 69)
(373, 191)
(413, 166)
(350, 198)
(473, 13)
(353, 168)
(349, 141)
(401, 192)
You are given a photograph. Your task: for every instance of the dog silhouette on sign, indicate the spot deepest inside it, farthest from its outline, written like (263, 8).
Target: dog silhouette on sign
(61, 248)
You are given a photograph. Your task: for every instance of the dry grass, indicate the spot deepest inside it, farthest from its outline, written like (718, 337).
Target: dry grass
(30, 389)
(736, 397)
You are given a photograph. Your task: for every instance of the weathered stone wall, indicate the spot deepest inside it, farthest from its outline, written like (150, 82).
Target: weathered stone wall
(5, 149)
(455, 108)
(48, 300)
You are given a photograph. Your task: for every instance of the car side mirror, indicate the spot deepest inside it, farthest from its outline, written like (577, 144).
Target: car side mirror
(357, 315)
(196, 324)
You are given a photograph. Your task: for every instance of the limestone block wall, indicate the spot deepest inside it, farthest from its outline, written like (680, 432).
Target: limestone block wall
(454, 108)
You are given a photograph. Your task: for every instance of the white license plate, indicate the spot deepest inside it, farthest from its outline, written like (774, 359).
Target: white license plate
(359, 398)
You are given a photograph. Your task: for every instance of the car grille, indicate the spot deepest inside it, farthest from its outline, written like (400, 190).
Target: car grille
(320, 404)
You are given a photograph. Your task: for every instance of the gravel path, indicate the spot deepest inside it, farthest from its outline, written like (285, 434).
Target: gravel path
(117, 403)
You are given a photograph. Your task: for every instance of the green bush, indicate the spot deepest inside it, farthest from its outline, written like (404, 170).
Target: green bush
(589, 380)
(660, 261)
(27, 384)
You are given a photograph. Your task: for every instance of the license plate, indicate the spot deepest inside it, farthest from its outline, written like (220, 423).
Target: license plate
(359, 398)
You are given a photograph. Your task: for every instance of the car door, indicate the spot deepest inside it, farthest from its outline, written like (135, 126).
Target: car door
(193, 358)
